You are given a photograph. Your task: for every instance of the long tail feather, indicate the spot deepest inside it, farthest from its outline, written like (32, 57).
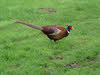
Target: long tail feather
(30, 25)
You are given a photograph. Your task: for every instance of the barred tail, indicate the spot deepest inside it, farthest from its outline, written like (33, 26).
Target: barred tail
(30, 25)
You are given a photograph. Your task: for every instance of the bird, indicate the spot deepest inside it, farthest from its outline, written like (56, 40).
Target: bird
(53, 32)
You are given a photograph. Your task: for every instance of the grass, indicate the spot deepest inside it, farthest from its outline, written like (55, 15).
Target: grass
(26, 51)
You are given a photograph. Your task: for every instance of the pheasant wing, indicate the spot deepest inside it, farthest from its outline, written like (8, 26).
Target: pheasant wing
(51, 29)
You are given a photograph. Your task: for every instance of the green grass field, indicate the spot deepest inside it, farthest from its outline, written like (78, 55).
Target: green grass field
(27, 51)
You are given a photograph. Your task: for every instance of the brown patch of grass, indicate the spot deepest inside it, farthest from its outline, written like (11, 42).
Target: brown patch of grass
(47, 10)
(59, 0)
(56, 58)
(91, 60)
(73, 65)
(76, 65)
(15, 65)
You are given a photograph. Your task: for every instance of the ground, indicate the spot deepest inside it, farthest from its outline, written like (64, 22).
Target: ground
(27, 51)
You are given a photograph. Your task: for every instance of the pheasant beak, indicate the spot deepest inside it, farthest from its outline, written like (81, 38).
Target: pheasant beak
(73, 28)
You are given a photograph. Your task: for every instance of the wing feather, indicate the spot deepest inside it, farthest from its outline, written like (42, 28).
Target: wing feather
(49, 29)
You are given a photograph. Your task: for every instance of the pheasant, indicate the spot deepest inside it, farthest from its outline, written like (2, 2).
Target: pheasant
(53, 32)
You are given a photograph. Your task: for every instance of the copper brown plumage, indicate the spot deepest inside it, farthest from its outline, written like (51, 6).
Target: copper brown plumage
(53, 32)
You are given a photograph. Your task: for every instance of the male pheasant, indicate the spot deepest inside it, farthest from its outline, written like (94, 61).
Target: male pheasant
(53, 32)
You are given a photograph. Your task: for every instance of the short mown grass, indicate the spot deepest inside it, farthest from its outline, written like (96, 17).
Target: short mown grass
(27, 51)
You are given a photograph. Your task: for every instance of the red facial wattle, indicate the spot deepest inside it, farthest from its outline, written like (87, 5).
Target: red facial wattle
(70, 27)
